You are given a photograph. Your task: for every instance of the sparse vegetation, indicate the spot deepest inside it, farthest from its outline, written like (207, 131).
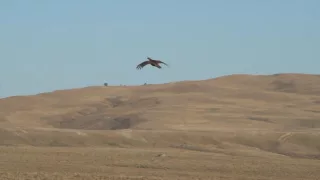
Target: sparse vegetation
(233, 127)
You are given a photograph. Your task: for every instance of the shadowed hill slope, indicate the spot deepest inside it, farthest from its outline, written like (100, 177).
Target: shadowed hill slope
(275, 113)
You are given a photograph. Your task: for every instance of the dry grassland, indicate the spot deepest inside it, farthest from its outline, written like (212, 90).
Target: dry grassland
(232, 127)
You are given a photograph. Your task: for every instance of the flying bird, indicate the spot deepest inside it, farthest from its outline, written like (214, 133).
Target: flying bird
(152, 63)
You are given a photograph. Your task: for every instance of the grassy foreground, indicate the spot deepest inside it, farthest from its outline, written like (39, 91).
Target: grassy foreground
(126, 163)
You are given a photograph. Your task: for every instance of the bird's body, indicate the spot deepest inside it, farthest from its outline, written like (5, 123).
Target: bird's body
(152, 62)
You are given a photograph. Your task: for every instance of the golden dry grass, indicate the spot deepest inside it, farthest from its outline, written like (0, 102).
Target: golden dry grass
(231, 127)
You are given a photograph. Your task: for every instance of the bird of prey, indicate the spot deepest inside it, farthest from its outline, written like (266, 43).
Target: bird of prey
(152, 63)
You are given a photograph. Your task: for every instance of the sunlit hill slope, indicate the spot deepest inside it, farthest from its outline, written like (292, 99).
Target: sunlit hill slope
(231, 114)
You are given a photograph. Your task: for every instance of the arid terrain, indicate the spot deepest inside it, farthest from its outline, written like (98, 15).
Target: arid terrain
(244, 127)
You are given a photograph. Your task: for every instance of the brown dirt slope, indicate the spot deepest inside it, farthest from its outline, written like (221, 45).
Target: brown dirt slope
(263, 117)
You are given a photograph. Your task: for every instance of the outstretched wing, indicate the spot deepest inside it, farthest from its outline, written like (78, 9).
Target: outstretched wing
(141, 65)
(158, 61)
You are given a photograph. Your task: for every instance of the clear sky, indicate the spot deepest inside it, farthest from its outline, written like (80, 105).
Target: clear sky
(62, 44)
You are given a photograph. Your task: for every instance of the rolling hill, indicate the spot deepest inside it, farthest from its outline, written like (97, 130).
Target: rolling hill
(266, 118)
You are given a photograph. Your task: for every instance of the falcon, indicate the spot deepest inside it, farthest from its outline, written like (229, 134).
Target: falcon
(152, 63)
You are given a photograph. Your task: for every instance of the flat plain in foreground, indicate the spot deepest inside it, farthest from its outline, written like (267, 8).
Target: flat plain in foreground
(126, 163)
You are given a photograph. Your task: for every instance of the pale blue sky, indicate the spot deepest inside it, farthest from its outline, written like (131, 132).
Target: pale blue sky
(62, 44)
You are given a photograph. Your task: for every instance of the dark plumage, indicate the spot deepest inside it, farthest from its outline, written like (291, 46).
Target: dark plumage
(152, 63)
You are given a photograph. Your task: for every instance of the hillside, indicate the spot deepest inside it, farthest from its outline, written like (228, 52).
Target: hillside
(247, 116)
